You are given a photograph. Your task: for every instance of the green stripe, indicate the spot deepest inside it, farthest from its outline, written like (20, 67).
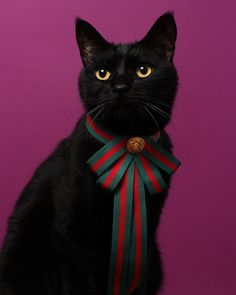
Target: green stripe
(132, 256)
(157, 162)
(144, 176)
(114, 243)
(110, 161)
(95, 157)
(144, 228)
(142, 200)
(158, 176)
(128, 228)
(101, 127)
(163, 151)
(122, 169)
(118, 175)
(95, 134)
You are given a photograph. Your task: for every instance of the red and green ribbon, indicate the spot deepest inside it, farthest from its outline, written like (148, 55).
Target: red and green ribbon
(127, 176)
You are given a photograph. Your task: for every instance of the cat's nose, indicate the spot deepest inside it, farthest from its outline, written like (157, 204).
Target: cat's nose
(119, 87)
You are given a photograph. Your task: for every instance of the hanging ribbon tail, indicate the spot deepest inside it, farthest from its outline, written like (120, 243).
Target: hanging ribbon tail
(159, 156)
(138, 251)
(121, 234)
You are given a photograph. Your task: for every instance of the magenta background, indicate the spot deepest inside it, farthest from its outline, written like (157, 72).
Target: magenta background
(39, 105)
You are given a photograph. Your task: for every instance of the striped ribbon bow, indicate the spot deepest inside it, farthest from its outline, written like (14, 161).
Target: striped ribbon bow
(126, 174)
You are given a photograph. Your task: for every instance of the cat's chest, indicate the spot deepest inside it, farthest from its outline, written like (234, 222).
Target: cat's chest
(102, 204)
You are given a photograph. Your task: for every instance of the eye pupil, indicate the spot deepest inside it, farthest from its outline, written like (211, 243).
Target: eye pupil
(143, 70)
(102, 73)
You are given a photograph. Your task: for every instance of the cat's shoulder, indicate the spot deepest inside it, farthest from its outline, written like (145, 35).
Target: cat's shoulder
(63, 151)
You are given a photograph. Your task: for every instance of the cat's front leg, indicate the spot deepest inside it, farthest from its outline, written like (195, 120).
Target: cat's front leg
(27, 260)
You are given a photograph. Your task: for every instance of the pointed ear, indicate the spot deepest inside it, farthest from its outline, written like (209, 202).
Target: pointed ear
(89, 41)
(163, 34)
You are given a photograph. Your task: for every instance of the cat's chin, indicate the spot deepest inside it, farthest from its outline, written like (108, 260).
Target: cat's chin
(128, 123)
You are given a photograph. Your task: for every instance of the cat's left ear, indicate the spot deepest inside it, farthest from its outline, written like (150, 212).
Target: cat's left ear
(89, 41)
(163, 34)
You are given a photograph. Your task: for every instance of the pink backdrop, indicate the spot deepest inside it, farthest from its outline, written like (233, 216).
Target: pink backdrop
(39, 105)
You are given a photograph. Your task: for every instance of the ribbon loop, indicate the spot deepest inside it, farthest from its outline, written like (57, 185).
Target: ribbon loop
(111, 178)
(159, 156)
(107, 155)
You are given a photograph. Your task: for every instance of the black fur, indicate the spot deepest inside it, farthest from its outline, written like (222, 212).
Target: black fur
(59, 235)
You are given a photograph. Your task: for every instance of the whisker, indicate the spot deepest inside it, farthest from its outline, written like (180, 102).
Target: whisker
(96, 116)
(94, 109)
(160, 111)
(146, 99)
(152, 98)
(152, 117)
(157, 109)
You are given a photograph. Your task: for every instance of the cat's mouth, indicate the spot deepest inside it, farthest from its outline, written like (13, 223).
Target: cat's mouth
(125, 101)
(125, 106)
(125, 112)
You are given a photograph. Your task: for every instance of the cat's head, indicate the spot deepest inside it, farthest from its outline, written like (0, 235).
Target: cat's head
(129, 87)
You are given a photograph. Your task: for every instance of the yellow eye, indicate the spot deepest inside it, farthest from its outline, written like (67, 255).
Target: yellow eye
(143, 71)
(102, 74)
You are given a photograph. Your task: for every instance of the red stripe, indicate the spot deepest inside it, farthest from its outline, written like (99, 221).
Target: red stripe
(121, 233)
(160, 157)
(150, 174)
(107, 155)
(113, 172)
(138, 232)
(99, 131)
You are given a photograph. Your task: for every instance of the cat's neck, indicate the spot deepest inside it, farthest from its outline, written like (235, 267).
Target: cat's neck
(131, 128)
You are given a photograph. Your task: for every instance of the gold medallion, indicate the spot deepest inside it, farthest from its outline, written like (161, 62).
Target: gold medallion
(135, 145)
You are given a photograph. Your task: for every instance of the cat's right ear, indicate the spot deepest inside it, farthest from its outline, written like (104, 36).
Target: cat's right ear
(163, 34)
(89, 41)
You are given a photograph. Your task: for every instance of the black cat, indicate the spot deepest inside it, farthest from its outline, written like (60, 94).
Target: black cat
(59, 235)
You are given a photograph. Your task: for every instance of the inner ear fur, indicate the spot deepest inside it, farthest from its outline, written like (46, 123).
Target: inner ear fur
(89, 40)
(163, 33)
